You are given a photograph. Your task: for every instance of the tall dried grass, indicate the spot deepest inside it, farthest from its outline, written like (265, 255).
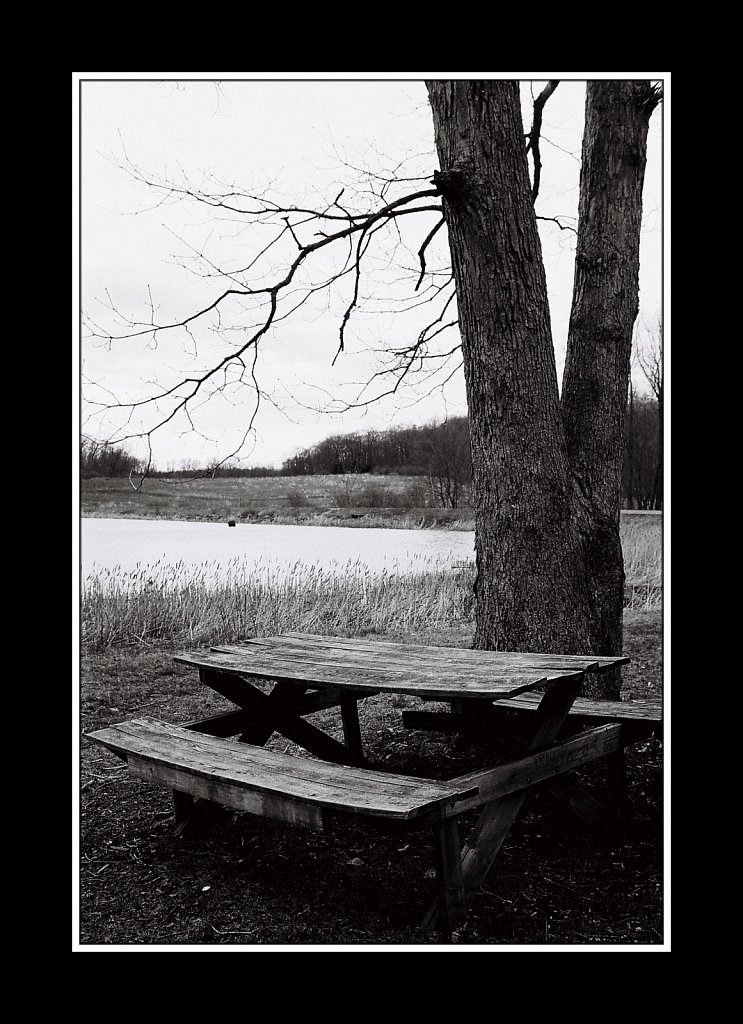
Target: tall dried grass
(642, 548)
(209, 603)
(204, 604)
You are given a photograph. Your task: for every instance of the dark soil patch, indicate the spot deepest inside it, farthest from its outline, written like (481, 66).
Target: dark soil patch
(247, 881)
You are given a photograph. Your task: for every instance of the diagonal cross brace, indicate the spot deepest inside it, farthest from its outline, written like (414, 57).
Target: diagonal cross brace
(279, 712)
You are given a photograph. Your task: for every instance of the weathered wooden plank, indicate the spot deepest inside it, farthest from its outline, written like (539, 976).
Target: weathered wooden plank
(450, 889)
(239, 765)
(393, 657)
(422, 682)
(390, 657)
(222, 791)
(568, 660)
(351, 662)
(643, 710)
(564, 789)
(503, 666)
(562, 757)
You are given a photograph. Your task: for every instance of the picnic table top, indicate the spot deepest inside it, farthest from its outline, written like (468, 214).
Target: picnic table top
(433, 673)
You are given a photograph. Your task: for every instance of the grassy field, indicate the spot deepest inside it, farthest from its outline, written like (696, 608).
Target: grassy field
(401, 502)
(367, 500)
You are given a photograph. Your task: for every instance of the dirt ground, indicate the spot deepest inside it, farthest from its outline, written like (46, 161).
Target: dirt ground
(246, 881)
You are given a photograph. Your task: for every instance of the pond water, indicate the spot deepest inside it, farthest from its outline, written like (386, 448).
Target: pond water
(128, 543)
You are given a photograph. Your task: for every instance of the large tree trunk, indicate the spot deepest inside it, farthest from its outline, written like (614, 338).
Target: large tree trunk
(605, 303)
(534, 533)
(531, 587)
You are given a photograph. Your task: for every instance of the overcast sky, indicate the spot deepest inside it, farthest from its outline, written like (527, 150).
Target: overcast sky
(138, 246)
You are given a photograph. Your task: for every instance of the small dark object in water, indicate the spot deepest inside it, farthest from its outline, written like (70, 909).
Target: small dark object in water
(231, 522)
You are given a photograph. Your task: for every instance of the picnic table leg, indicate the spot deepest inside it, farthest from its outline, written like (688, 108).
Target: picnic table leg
(351, 727)
(452, 906)
(191, 812)
(183, 804)
(496, 819)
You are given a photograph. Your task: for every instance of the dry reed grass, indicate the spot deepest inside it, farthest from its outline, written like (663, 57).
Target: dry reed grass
(204, 604)
(209, 603)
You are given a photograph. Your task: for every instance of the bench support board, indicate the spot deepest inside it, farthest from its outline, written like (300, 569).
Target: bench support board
(268, 805)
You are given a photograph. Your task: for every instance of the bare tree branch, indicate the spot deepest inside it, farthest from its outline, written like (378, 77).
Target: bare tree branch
(534, 134)
(357, 229)
(561, 226)
(422, 250)
(280, 275)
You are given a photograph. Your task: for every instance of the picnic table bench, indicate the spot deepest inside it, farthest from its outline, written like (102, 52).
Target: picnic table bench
(223, 759)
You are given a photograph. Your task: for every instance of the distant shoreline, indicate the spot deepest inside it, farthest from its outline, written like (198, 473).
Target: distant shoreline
(367, 501)
(354, 518)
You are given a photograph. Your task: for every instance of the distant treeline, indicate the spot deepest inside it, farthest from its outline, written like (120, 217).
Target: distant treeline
(105, 460)
(642, 471)
(438, 451)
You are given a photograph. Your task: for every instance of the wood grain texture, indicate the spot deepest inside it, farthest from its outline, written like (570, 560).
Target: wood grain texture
(434, 673)
(422, 681)
(616, 710)
(215, 790)
(214, 768)
(526, 771)
(378, 647)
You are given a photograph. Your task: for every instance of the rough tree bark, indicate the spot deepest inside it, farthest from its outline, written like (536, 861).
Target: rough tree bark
(546, 473)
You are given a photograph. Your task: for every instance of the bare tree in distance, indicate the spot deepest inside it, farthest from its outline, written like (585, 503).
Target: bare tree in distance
(446, 453)
(546, 468)
(650, 361)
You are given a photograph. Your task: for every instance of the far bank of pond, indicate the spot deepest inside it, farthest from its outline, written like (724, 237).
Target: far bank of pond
(361, 501)
(367, 501)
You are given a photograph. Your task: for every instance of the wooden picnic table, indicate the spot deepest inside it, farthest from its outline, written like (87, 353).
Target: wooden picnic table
(309, 672)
